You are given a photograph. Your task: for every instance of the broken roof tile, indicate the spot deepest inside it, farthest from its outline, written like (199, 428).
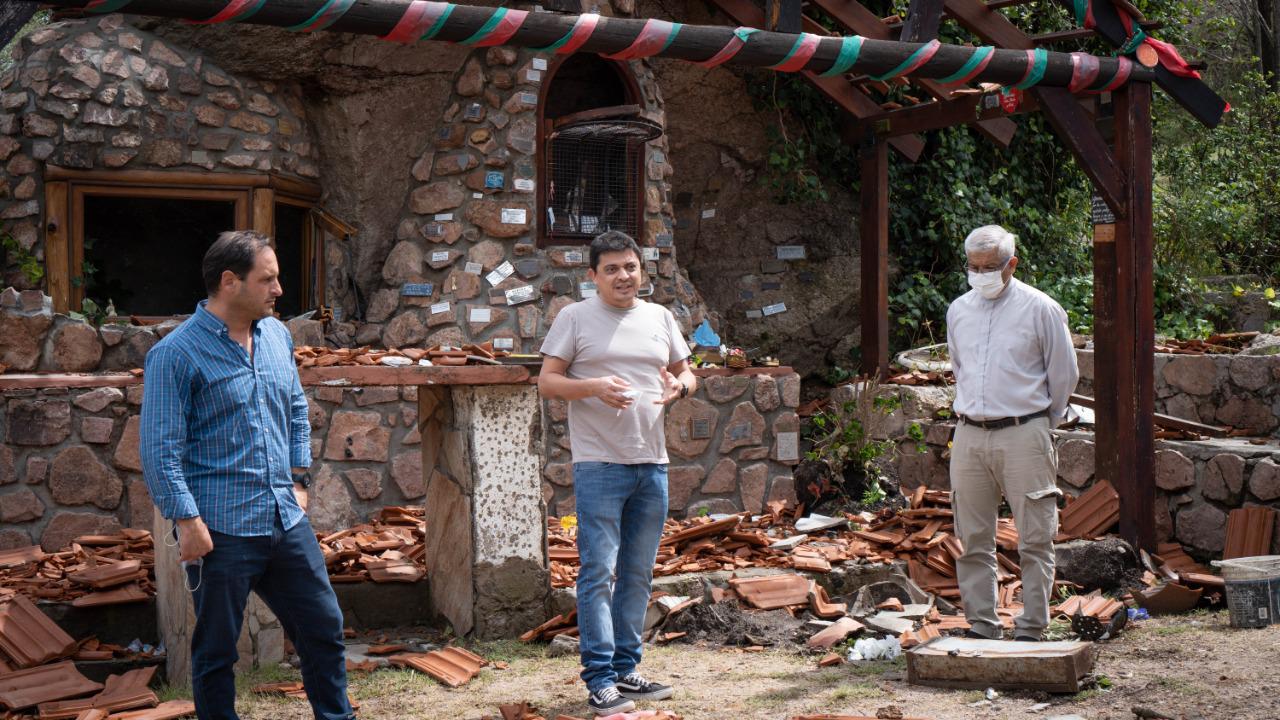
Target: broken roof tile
(773, 591)
(452, 666)
(115, 596)
(28, 636)
(30, 687)
(1249, 532)
(822, 606)
(1093, 513)
(21, 556)
(171, 710)
(1169, 598)
(839, 630)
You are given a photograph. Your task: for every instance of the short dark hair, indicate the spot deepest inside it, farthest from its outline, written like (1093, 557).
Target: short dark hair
(613, 241)
(236, 251)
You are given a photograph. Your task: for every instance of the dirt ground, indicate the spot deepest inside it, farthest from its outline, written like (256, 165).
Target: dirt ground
(1188, 666)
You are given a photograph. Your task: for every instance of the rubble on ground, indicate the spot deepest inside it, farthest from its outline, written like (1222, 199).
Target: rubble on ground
(389, 548)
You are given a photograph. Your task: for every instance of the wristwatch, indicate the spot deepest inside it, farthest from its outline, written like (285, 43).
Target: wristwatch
(684, 390)
(303, 479)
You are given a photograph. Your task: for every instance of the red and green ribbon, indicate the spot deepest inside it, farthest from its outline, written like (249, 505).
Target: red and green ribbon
(655, 37)
(976, 63)
(415, 21)
(498, 29)
(799, 55)
(328, 14)
(1124, 67)
(575, 38)
(105, 6)
(1084, 71)
(922, 55)
(1169, 56)
(1037, 63)
(850, 49)
(235, 11)
(731, 48)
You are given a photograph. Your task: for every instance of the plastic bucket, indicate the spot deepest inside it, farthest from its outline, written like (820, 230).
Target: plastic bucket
(1253, 590)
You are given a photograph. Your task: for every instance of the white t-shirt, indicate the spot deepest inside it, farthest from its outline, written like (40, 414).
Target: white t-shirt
(598, 340)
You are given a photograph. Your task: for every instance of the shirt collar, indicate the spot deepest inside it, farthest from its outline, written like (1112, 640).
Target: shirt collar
(214, 324)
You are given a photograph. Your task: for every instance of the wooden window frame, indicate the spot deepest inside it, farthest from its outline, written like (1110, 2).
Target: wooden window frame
(546, 126)
(254, 197)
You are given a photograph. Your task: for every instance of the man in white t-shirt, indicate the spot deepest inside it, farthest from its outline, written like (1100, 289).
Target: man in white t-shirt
(618, 360)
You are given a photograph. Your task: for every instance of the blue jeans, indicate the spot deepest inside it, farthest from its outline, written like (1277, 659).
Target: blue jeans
(286, 569)
(621, 510)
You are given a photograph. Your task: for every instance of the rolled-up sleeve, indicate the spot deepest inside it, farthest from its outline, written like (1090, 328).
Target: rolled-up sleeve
(166, 405)
(299, 426)
(1059, 360)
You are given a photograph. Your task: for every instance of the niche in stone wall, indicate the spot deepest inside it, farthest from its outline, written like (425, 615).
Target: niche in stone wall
(592, 151)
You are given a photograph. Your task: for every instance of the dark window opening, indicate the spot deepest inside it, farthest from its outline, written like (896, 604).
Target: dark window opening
(291, 237)
(593, 188)
(584, 82)
(143, 255)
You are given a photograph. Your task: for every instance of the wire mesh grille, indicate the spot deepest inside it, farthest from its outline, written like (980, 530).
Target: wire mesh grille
(595, 183)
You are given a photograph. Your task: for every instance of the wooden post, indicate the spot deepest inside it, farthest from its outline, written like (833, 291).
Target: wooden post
(924, 17)
(783, 16)
(874, 160)
(1135, 324)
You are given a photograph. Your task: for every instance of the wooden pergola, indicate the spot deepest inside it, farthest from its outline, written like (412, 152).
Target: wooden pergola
(851, 71)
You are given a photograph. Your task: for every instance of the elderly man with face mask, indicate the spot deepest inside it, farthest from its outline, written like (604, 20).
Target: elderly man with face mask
(1015, 368)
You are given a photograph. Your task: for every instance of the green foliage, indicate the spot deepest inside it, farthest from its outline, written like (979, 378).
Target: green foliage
(27, 262)
(846, 435)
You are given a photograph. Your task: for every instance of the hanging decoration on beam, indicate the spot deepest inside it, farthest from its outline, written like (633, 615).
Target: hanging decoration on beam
(409, 21)
(1164, 53)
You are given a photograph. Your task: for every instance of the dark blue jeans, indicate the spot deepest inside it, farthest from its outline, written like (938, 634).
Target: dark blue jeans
(621, 510)
(286, 570)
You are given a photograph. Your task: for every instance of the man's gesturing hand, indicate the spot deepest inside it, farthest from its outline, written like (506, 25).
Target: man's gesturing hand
(671, 387)
(613, 391)
(194, 541)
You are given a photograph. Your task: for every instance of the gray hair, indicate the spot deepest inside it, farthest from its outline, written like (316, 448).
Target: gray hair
(991, 237)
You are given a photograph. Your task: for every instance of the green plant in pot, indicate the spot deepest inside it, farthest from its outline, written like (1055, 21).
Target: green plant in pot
(846, 441)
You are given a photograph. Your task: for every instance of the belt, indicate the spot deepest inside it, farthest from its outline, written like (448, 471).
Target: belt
(999, 423)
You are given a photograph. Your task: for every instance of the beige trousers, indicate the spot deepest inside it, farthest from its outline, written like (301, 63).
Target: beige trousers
(1019, 462)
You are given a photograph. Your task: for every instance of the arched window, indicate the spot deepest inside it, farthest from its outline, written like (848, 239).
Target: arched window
(592, 146)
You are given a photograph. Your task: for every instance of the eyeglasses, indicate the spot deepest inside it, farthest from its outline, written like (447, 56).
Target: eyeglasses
(987, 268)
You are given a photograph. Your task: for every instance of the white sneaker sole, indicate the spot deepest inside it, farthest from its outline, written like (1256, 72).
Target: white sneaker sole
(659, 695)
(625, 707)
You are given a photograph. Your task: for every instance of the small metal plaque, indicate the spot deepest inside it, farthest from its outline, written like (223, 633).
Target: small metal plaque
(474, 268)
(788, 446)
(701, 429)
(504, 343)
(573, 257)
(474, 111)
(533, 76)
(522, 294)
(650, 253)
(494, 180)
(417, 289)
(587, 290)
(774, 309)
(513, 216)
(645, 291)
(440, 256)
(1101, 212)
(523, 184)
(708, 213)
(664, 240)
(433, 229)
(539, 63)
(754, 314)
(443, 217)
(791, 252)
(500, 273)
(529, 98)
(440, 307)
(480, 315)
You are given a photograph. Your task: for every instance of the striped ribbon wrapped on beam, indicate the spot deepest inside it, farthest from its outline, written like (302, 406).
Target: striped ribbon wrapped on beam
(654, 37)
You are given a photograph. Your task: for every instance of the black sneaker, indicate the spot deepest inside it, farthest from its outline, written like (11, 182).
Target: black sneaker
(635, 687)
(1028, 638)
(607, 701)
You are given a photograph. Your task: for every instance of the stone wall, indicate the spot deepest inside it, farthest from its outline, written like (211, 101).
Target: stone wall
(1239, 391)
(1197, 483)
(69, 461)
(723, 443)
(102, 95)
(473, 209)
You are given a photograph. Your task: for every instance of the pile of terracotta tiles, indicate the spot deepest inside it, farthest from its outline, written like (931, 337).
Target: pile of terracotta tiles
(920, 535)
(1221, 344)
(390, 548)
(308, 356)
(525, 711)
(93, 570)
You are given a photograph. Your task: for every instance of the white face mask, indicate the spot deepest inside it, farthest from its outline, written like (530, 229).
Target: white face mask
(989, 284)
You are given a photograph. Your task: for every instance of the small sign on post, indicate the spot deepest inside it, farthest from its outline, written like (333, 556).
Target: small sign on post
(1104, 221)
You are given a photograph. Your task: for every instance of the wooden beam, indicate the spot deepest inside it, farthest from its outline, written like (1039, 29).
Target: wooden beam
(1135, 324)
(856, 18)
(852, 99)
(1072, 124)
(696, 43)
(924, 17)
(1168, 422)
(57, 245)
(1194, 95)
(1080, 34)
(783, 15)
(874, 190)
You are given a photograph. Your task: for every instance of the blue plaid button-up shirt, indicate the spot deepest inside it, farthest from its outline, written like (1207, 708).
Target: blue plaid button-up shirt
(220, 431)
